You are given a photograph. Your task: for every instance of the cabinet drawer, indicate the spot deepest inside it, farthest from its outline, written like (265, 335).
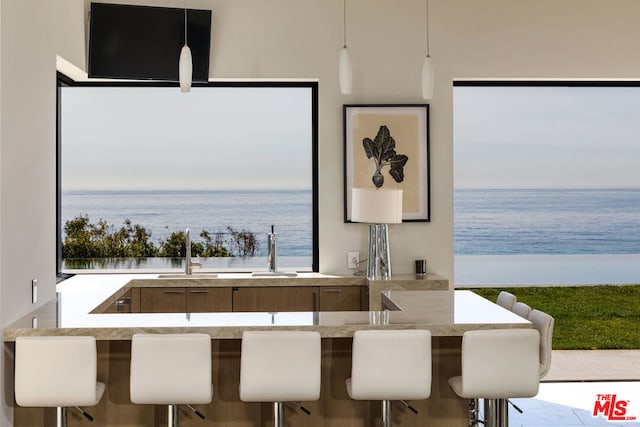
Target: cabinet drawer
(340, 298)
(163, 300)
(208, 300)
(279, 298)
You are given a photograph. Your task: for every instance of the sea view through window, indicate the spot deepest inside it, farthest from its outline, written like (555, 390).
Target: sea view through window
(547, 191)
(140, 164)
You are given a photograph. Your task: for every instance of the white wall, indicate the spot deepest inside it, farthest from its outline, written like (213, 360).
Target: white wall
(3, 408)
(32, 32)
(387, 43)
(301, 38)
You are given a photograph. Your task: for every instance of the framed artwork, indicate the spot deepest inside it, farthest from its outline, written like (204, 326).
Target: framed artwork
(387, 146)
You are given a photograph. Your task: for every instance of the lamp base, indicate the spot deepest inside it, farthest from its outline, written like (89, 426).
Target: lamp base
(379, 260)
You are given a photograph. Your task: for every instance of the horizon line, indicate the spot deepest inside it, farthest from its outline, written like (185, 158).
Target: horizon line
(548, 188)
(184, 190)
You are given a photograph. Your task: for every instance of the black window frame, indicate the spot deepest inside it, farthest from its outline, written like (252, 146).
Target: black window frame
(64, 81)
(537, 83)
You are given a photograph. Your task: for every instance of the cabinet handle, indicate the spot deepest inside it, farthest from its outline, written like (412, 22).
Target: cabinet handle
(173, 292)
(121, 303)
(198, 291)
(332, 290)
(315, 300)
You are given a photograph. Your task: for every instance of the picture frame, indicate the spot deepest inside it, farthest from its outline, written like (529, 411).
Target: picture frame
(387, 146)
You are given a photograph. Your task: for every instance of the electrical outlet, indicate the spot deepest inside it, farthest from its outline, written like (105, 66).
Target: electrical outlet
(353, 258)
(34, 291)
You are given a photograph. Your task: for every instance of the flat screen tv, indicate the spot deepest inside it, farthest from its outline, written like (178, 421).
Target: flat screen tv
(144, 42)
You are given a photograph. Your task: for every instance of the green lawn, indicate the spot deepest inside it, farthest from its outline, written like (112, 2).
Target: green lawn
(586, 317)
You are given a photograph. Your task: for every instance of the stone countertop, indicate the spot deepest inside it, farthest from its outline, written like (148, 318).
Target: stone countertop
(244, 280)
(444, 313)
(401, 281)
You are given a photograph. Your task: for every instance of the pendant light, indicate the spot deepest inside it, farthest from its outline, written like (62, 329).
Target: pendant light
(344, 65)
(427, 67)
(185, 69)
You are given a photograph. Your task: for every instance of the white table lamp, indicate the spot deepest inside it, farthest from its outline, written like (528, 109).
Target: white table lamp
(378, 208)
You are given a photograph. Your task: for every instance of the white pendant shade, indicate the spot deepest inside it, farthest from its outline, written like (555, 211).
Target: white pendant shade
(427, 78)
(186, 69)
(345, 72)
(376, 206)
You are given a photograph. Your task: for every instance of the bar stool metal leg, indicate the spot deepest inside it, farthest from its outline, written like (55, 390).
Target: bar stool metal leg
(502, 410)
(61, 416)
(490, 413)
(496, 412)
(172, 415)
(386, 413)
(474, 413)
(278, 414)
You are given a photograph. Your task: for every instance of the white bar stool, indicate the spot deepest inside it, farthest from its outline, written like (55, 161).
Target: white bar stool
(543, 323)
(171, 369)
(390, 365)
(498, 364)
(506, 300)
(57, 372)
(521, 309)
(280, 366)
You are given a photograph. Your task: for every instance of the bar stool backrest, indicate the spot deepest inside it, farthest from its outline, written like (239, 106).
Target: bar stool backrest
(391, 365)
(280, 366)
(168, 369)
(56, 371)
(500, 363)
(521, 309)
(506, 299)
(544, 324)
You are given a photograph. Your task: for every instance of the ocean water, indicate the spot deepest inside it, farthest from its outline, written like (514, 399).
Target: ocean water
(162, 212)
(502, 236)
(554, 222)
(554, 237)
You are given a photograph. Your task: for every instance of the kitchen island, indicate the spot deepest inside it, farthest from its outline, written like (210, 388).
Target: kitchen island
(82, 301)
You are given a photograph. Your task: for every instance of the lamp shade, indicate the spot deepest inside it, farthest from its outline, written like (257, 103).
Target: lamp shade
(427, 78)
(185, 69)
(376, 206)
(345, 72)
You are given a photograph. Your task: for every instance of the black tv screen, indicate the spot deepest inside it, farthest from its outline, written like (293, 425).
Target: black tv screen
(144, 42)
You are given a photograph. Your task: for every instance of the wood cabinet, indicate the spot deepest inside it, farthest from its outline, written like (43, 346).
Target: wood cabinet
(340, 298)
(241, 299)
(209, 300)
(276, 298)
(185, 300)
(163, 300)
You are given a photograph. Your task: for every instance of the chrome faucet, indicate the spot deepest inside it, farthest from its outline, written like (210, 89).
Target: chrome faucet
(272, 257)
(189, 265)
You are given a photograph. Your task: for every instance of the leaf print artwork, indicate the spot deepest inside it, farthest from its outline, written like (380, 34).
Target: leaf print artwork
(383, 150)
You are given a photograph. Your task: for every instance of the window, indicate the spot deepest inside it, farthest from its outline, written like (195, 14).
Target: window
(546, 182)
(226, 160)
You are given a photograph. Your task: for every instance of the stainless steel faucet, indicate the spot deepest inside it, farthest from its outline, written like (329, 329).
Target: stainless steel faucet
(272, 257)
(189, 265)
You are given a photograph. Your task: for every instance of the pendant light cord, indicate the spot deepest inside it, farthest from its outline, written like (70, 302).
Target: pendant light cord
(344, 22)
(427, 1)
(185, 22)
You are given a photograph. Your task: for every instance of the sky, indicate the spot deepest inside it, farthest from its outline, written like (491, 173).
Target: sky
(546, 137)
(210, 138)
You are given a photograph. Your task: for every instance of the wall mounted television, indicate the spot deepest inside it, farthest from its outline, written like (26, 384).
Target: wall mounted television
(144, 42)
